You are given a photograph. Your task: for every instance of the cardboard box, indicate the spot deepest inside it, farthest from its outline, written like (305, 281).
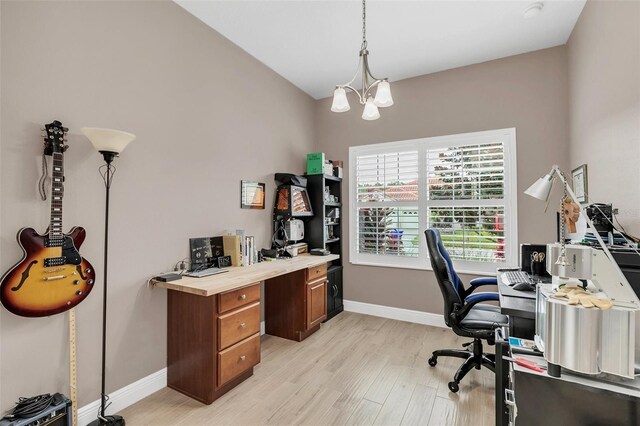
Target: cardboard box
(315, 163)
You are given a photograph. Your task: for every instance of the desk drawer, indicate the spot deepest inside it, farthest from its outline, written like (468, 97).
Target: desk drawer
(237, 325)
(238, 358)
(317, 272)
(235, 298)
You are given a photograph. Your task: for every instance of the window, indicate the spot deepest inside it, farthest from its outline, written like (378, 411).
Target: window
(464, 185)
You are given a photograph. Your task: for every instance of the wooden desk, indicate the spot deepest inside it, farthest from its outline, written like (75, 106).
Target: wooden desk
(239, 276)
(213, 323)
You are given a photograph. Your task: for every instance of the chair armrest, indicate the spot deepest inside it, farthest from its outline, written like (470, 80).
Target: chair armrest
(481, 297)
(475, 283)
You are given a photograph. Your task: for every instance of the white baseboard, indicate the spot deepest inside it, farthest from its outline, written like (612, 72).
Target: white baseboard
(408, 315)
(124, 397)
(262, 328)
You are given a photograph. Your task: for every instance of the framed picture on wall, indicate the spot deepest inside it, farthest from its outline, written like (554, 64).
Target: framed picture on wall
(251, 195)
(580, 188)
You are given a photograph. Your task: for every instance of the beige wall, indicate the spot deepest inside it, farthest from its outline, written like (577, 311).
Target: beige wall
(528, 92)
(206, 115)
(604, 103)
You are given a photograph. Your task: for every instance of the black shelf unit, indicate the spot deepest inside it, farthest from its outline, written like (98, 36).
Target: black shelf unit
(324, 230)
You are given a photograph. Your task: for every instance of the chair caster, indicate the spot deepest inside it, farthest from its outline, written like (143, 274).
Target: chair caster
(453, 387)
(433, 361)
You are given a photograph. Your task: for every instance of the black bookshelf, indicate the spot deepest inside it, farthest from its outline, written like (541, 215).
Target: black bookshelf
(324, 230)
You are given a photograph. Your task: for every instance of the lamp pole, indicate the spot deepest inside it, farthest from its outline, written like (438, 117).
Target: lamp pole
(106, 170)
(109, 143)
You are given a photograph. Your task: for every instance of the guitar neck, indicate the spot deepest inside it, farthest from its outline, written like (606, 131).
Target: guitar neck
(57, 193)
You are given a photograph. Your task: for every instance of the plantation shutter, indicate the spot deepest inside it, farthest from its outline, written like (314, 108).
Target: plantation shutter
(463, 185)
(465, 193)
(387, 210)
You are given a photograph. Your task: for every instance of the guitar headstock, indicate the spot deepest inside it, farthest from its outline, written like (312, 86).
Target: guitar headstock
(55, 138)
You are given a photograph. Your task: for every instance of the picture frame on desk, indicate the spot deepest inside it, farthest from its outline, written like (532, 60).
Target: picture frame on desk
(251, 195)
(580, 183)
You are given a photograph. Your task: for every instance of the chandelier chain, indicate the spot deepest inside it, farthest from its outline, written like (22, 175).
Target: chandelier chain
(364, 24)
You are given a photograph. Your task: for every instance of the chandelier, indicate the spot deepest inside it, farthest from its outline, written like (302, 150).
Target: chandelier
(383, 94)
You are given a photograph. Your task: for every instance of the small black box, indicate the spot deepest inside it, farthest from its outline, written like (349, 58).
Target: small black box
(167, 277)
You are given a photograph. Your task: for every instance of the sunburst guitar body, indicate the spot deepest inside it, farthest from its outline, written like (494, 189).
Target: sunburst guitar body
(51, 278)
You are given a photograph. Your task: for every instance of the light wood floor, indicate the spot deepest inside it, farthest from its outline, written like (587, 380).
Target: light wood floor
(357, 370)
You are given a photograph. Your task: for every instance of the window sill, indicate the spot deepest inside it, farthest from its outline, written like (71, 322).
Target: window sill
(423, 268)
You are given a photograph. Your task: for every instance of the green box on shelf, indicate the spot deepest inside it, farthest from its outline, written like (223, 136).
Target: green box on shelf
(315, 162)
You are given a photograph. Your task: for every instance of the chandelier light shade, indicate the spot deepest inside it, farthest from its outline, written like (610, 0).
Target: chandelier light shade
(383, 96)
(340, 101)
(370, 110)
(107, 140)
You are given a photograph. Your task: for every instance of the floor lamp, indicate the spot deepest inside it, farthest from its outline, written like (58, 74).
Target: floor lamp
(109, 143)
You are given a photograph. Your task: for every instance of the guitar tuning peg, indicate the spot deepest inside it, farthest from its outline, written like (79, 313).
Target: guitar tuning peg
(65, 139)
(44, 135)
(66, 147)
(42, 128)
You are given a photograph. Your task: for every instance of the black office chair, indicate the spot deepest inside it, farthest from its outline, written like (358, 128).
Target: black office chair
(463, 313)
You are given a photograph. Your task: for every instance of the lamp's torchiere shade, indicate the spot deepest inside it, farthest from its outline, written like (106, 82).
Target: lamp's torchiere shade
(108, 140)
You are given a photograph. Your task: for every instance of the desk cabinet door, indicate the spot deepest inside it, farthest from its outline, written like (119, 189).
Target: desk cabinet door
(316, 303)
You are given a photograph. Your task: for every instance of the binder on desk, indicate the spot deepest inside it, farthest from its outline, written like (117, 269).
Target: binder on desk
(232, 248)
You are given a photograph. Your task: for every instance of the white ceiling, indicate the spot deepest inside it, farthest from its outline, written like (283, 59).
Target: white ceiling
(315, 44)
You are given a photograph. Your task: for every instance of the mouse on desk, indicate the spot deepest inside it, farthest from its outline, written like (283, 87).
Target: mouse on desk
(524, 287)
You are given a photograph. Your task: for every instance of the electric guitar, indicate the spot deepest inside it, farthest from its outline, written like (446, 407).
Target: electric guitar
(52, 276)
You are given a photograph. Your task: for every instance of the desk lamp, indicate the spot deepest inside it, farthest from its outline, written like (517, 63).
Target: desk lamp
(109, 143)
(541, 190)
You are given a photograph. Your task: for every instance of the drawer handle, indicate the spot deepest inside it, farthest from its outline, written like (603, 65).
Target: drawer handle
(243, 296)
(243, 325)
(242, 357)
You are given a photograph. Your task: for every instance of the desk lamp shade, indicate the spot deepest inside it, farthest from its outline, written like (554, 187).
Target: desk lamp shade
(107, 140)
(541, 188)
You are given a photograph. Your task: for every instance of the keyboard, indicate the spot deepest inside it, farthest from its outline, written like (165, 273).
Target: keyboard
(515, 277)
(205, 272)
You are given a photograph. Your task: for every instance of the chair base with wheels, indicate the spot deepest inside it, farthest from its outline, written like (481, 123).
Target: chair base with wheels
(474, 358)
